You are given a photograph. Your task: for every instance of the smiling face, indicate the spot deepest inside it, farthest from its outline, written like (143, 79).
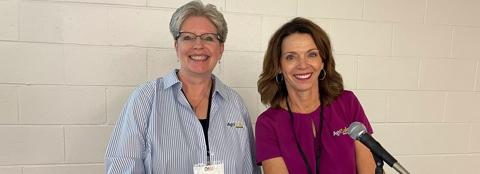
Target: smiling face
(300, 63)
(197, 57)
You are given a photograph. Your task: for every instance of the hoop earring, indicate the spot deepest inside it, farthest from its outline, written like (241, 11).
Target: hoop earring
(323, 74)
(279, 78)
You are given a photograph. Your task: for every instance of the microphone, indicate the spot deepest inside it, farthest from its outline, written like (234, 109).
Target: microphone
(357, 131)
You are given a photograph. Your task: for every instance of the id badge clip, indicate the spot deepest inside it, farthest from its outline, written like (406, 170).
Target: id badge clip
(211, 167)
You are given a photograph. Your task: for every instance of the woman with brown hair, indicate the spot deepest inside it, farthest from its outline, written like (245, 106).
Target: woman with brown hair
(305, 128)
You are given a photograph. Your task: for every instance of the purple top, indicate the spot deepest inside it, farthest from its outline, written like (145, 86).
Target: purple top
(274, 136)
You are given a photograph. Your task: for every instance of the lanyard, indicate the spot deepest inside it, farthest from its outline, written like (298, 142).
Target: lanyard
(317, 155)
(205, 127)
(208, 122)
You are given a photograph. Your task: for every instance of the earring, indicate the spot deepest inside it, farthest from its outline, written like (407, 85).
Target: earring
(279, 78)
(323, 74)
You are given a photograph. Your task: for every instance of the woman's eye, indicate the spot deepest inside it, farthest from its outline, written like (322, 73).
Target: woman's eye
(207, 38)
(187, 38)
(289, 57)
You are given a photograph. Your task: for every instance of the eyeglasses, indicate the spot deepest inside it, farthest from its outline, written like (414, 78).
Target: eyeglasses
(206, 38)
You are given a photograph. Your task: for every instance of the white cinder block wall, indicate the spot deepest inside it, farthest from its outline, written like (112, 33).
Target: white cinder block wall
(67, 67)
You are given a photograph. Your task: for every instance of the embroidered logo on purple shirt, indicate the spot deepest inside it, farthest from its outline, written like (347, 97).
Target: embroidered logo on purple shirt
(341, 131)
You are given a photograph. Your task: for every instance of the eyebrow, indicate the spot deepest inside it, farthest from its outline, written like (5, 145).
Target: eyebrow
(310, 50)
(196, 33)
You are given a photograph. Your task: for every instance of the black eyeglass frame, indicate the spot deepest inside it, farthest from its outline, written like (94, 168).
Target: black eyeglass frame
(196, 36)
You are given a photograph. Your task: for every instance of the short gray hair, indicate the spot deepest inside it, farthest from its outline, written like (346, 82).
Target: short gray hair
(196, 8)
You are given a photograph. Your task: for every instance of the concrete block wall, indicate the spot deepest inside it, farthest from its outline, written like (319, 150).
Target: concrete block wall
(67, 67)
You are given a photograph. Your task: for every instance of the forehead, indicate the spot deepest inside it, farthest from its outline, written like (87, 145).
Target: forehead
(198, 25)
(298, 42)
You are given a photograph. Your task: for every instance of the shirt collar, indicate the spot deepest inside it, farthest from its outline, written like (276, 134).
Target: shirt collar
(171, 79)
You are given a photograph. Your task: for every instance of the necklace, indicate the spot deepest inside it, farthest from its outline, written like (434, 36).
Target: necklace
(202, 99)
(195, 107)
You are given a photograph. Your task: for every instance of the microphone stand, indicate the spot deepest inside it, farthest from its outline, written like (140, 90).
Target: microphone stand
(378, 164)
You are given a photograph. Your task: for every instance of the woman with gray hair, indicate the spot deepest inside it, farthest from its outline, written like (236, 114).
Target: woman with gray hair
(187, 121)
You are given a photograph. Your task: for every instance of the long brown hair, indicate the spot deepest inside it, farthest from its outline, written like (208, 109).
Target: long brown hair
(273, 91)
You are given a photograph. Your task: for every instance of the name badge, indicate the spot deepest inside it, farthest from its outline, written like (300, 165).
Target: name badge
(215, 167)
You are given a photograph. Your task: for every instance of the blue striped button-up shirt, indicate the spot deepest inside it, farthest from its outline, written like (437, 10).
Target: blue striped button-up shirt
(158, 132)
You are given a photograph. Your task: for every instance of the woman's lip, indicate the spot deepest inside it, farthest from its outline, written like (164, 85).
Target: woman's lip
(303, 76)
(198, 57)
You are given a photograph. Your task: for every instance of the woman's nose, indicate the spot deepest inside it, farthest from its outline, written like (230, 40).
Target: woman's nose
(198, 43)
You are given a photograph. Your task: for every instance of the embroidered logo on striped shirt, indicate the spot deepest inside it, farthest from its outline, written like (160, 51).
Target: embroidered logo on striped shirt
(237, 124)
